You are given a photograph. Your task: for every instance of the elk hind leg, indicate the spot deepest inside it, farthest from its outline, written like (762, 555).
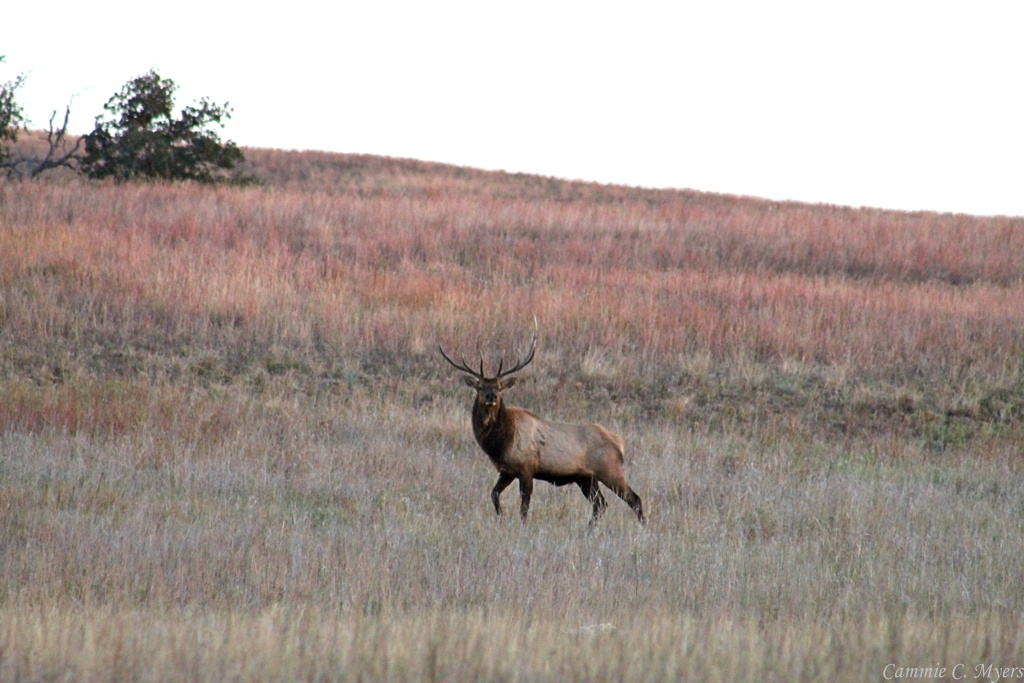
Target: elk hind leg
(634, 502)
(592, 491)
(618, 484)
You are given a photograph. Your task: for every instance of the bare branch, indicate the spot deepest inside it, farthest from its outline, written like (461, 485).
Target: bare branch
(60, 153)
(56, 140)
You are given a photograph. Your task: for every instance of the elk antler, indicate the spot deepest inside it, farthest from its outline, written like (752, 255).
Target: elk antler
(464, 366)
(521, 364)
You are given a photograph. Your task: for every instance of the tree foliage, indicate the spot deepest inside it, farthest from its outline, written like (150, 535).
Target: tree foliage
(139, 137)
(11, 114)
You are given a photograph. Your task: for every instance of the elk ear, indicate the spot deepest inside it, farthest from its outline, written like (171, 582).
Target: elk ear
(509, 383)
(471, 381)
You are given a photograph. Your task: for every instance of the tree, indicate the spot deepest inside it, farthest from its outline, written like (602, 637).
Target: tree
(60, 154)
(11, 116)
(139, 137)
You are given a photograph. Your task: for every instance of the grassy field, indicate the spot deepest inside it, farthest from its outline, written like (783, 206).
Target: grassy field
(229, 449)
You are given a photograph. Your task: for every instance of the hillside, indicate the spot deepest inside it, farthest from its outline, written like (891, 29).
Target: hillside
(229, 448)
(677, 303)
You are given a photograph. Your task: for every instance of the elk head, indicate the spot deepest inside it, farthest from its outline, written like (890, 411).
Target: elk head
(488, 389)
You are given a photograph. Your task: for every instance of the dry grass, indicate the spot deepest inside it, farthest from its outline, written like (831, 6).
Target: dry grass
(228, 451)
(283, 644)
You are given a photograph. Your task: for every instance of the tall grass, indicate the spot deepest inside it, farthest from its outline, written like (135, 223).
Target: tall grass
(282, 268)
(228, 450)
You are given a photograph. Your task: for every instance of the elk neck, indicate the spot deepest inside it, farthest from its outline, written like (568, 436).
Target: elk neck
(494, 427)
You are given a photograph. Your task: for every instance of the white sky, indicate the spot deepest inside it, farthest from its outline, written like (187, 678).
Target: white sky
(905, 105)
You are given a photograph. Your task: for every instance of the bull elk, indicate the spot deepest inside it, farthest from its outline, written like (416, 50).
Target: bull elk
(524, 446)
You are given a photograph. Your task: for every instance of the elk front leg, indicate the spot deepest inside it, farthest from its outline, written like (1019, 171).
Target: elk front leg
(503, 482)
(525, 491)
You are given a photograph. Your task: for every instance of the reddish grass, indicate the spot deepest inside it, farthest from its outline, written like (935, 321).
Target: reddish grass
(655, 277)
(697, 308)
